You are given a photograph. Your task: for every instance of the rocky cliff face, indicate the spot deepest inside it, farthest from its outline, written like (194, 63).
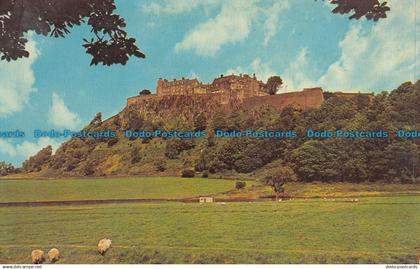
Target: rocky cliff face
(191, 105)
(187, 106)
(122, 155)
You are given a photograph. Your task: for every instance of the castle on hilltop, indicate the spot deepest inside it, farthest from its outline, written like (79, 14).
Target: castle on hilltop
(241, 89)
(242, 86)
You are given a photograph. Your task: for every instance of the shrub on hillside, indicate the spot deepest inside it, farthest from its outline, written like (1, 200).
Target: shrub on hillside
(279, 178)
(160, 164)
(135, 155)
(35, 163)
(240, 185)
(188, 173)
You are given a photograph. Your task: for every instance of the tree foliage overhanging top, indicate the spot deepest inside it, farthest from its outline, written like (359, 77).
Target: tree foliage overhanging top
(371, 9)
(111, 44)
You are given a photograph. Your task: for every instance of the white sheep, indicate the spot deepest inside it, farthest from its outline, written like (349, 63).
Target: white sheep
(53, 255)
(104, 245)
(37, 256)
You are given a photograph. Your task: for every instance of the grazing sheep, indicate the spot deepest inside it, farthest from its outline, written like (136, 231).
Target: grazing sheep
(37, 256)
(355, 200)
(104, 245)
(53, 255)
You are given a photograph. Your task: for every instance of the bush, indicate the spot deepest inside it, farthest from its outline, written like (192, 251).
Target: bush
(279, 178)
(175, 146)
(160, 164)
(88, 168)
(188, 173)
(205, 174)
(187, 163)
(145, 92)
(135, 155)
(240, 185)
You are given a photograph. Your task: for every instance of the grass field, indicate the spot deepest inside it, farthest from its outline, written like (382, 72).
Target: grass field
(27, 190)
(374, 230)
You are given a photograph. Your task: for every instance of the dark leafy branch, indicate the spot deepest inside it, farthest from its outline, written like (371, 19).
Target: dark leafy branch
(371, 9)
(110, 44)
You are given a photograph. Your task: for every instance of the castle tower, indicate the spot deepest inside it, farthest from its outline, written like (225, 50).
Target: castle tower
(160, 87)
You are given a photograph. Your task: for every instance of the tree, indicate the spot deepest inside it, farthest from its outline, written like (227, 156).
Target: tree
(219, 121)
(279, 178)
(200, 122)
(145, 92)
(97, 120)
(240, 185)
(175, 146)
(135, 155)
(88, 168)
(35, 163)
(6, 169)
(273, 84)
(160, 164)
(371, 9)
(403, 161)
(110, 44)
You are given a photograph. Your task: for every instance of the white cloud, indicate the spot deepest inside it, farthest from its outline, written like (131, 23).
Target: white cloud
(16, 81)
(231, 25)
(262, 70)
(296, 76)
(176, 7)
(379, 59)
(272, 24)
(26, 148)
(60, 115)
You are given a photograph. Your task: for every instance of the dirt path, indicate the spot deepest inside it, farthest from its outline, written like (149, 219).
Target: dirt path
(181, 200)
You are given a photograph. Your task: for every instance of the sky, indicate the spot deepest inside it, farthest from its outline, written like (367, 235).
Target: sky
(300, 40)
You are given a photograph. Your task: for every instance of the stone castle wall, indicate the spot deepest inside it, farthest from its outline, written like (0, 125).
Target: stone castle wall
(139, 98)
(351, 94)
(308, 98)
(179, 87)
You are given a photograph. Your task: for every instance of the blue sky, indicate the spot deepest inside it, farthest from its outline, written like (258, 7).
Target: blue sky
(300, 40)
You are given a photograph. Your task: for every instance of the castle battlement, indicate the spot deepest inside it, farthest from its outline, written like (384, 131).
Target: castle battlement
(241, 89)
(243, 86)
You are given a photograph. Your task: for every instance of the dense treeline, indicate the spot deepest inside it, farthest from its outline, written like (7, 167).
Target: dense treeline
(311, 159)
(327, 159)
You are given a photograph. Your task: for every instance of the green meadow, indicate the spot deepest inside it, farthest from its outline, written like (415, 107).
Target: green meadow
(334, 230)
(29, 190)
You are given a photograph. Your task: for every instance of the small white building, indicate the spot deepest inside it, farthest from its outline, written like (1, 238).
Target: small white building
(206, 200)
